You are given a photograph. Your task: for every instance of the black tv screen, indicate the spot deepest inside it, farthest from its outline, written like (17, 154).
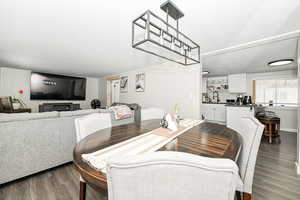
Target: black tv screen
(56, 87)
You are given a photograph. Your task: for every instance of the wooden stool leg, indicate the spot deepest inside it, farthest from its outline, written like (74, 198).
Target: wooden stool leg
(247, 196)
(82, 190)
(270, 133)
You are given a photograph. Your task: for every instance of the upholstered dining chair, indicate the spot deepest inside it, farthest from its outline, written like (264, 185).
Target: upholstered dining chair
(251, 137)
(85, 126)
(171, 176)
(91, 123)
(151, 113)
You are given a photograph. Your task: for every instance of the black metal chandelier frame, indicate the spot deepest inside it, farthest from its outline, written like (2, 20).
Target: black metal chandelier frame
(185, 47)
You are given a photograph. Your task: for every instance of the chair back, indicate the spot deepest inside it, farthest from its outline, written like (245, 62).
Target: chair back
(171, 176)
(151, 113)
(91, 123)
(251, 137)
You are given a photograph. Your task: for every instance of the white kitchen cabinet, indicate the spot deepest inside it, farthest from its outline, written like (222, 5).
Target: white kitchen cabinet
(237, 83)
(234, 115)
(214, 112)
(220, 114)
(208, 113)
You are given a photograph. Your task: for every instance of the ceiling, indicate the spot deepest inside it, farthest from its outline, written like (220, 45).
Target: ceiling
(93, 38)
(252, 59)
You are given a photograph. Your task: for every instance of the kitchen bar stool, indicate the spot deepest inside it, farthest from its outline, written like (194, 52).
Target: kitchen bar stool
(272, 127)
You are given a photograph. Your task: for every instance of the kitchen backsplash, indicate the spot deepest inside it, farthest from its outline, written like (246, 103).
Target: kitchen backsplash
(219, 85)
(223, 95)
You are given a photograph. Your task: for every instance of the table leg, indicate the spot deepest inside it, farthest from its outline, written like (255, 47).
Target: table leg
(82, 190)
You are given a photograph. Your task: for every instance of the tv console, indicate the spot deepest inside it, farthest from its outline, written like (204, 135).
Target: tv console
(48, 107)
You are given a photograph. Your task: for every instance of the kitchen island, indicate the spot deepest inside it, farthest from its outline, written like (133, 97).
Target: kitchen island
(234, 114)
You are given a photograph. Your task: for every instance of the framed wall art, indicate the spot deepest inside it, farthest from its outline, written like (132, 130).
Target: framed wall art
(124, 84)
(140, 82)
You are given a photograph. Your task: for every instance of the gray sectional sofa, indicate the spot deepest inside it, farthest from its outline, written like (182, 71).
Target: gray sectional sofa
(33, 142)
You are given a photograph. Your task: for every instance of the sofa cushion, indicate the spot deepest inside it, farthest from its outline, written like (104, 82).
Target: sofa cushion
(78, 112)
(27, 116)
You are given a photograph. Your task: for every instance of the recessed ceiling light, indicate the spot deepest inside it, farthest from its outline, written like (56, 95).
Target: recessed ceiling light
(280, 62)
(205, 72)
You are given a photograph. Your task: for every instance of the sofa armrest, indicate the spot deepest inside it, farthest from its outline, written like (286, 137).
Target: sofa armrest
(135, 107)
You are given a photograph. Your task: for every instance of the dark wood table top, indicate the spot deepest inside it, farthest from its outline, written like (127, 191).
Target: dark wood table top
(206, 139)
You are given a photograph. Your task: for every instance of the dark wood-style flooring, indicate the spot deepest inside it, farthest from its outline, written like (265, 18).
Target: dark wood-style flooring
(275, 178)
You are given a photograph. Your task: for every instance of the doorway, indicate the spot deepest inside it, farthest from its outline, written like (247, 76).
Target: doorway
(113, 90)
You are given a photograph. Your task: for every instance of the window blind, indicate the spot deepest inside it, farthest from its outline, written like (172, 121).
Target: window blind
(281, 91)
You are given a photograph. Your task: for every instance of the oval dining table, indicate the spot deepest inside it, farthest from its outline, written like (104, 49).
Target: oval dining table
(206, 139)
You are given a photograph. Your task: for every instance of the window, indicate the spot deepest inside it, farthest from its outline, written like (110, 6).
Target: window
(281, 91)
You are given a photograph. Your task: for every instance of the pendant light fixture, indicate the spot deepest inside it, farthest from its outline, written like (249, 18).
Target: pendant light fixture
(156, 36)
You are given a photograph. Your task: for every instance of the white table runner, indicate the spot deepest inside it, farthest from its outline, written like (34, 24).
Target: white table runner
(145, 143)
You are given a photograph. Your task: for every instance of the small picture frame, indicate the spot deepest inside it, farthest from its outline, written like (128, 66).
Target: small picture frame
(140, 82)
(124, 84)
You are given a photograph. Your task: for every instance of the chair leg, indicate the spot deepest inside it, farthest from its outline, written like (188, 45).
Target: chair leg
(247, 196)
(270, 133)
(82, 190)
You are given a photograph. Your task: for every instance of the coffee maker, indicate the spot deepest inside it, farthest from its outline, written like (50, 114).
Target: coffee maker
(239, 100)
(247, 100)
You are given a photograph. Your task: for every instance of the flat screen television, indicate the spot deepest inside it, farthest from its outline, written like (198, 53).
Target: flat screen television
(56, 87)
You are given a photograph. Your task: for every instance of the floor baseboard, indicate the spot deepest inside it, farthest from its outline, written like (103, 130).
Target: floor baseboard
(289, 130)
(297, 167)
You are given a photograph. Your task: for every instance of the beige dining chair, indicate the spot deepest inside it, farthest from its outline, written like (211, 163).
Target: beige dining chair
(85, 126)
(151, 113)
(91, 123)
(171, 176)
(251, 137)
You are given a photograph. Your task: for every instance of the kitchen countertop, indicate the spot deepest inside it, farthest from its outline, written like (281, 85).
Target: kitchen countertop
(213, 103)
(231, 105)
(236, 105)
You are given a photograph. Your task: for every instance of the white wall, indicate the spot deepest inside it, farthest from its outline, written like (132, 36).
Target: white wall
(298, 135)
(166, 85)
(288, 117)
(12, 80)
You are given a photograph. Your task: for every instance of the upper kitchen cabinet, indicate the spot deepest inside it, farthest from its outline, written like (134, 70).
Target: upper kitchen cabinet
(237, 83)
